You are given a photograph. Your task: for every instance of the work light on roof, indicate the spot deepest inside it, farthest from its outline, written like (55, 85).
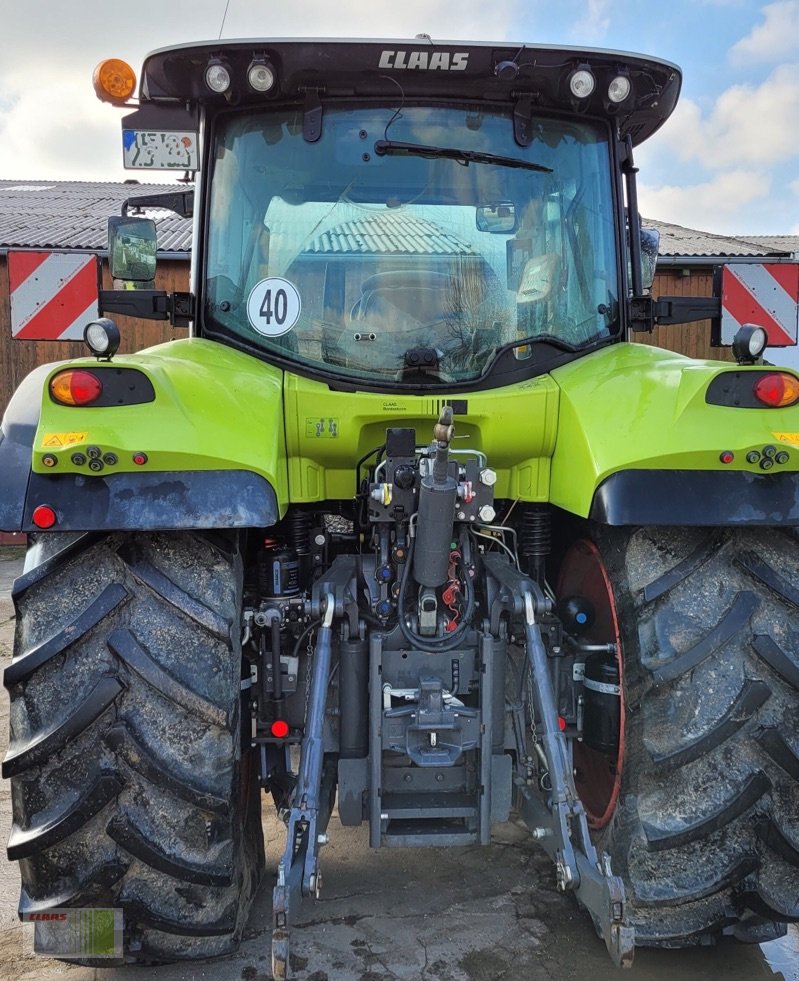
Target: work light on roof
(260, 75)
(217, 77)
(582, 82)
(619, 89)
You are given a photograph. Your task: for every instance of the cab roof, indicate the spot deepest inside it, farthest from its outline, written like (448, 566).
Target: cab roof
(531, 77)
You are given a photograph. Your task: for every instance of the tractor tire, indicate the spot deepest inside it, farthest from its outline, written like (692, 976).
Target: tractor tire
(130, 788)
(699, 810)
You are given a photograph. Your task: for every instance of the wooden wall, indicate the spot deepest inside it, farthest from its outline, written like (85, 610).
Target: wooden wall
(690, 339)
(18, 357)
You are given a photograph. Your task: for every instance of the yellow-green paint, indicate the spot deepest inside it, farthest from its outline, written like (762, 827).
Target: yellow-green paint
(633, 406)
(552, 438)
(515, 427)
(215, 409)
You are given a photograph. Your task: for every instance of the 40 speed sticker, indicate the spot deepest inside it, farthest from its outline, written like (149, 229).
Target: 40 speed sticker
(273, 306)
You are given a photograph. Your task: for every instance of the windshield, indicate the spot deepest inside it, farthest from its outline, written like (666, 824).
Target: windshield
(409, 243)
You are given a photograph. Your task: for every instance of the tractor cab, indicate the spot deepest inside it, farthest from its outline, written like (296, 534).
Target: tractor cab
(392, 217)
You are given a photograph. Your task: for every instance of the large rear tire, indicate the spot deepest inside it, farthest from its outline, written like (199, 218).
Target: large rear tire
(699, 810)
(129, 785)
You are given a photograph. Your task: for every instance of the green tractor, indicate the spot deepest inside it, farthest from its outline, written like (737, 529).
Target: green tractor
(406, 525)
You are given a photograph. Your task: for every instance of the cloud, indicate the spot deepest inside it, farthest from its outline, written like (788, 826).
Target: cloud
(52, 125)
(375, 18)
(715, 204)
(777, 37)
(70, 135)
(593, 26)
(748, 124)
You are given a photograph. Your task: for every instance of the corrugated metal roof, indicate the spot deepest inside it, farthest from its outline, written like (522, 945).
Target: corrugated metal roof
(783, 243)
(388, 234)
(74, 215)
(675, 240)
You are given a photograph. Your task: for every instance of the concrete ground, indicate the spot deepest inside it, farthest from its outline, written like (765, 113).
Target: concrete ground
(475, 914)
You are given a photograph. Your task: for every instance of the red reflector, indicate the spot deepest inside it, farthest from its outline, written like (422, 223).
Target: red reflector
(561, 723)
(777, 389)
(44, 516)
(280, 729)
(727, 456)
(139, 459)
(75, 387)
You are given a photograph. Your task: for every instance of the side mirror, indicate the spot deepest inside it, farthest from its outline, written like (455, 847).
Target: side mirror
(131, 249)
(650, 243)
(499, 219)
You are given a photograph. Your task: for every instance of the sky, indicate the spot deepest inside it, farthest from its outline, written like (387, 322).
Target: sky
(726, 162)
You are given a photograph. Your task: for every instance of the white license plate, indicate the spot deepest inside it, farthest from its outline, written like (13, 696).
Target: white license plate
(151, 150)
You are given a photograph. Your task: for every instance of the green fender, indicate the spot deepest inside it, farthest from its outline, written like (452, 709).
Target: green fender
(638, 443)
(204, 448)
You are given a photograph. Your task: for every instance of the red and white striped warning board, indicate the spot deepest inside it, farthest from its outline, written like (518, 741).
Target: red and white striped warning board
(766, 294)
(53, 294)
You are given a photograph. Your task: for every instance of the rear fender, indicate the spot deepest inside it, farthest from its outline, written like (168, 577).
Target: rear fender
(207, 451)
(639, 443)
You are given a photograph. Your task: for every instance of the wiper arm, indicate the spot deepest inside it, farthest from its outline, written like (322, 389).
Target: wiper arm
(465, 157)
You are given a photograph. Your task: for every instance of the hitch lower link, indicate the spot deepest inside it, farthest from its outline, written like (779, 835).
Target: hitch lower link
(560, 822)
(556, 817)
(298, 873)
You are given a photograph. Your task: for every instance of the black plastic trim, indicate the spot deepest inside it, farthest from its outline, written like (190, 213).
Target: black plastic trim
(17, 433)
(502, 371)
(697, 497)
(736, 388)
(161, 500)
(121, 386)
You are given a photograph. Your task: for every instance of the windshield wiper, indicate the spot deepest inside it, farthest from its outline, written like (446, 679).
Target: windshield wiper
(465, 157)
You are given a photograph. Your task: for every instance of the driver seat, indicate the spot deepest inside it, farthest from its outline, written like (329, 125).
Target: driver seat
(426, 297)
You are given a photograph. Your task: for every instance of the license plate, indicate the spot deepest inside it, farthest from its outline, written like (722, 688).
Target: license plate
(158, 150)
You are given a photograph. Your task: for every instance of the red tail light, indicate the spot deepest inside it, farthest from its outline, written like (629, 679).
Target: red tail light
(777, 389)
(75, 387)
(44, 516)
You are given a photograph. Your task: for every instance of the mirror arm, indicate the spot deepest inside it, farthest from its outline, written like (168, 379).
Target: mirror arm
(629, 170)
(181, 202)
(645, 313)
(178, 308)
